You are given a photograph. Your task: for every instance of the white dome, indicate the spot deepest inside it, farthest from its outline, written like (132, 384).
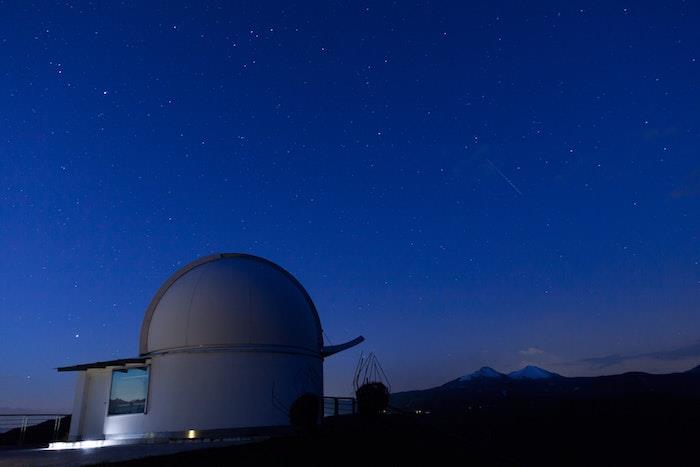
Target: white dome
(231, 300)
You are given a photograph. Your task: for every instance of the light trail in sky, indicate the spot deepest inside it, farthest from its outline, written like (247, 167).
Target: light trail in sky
(512, 185)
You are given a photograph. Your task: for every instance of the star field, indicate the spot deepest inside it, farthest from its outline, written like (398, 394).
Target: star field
(464, 185)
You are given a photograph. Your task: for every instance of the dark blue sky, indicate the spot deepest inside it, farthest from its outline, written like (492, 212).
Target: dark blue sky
(465, 185)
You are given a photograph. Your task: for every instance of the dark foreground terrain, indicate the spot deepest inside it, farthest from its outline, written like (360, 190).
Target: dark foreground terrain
(632, 431)
(488, 418)
(35, 436)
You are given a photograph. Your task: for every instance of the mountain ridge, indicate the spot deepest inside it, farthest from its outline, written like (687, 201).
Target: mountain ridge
(483, 372)
(536, 372)
(534, 385)
(527, 372)
(532, 372)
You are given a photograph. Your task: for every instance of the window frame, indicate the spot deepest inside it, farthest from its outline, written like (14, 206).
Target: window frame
(147, 366)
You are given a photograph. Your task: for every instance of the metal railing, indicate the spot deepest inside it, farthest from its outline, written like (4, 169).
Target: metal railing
(339, 406)
(17, 429)
(35, 428)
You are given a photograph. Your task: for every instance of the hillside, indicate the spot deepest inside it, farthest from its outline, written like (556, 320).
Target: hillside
(535, 386)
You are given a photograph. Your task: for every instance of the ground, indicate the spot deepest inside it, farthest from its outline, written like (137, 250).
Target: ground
(565, 435)
(656, 430)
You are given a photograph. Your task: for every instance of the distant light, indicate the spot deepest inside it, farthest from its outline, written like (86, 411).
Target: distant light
(191, 434)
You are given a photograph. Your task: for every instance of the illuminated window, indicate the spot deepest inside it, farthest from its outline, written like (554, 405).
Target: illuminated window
(129, 391)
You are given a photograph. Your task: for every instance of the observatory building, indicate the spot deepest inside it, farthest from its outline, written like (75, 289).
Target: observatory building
(228, 344)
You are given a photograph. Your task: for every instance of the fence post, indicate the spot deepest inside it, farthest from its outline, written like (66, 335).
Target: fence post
(56, 425)
(23, 429)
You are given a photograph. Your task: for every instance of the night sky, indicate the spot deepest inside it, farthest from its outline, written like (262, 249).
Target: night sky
(463, 185)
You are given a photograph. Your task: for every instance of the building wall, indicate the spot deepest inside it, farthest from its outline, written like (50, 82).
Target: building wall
(90, 404)
(77, 413)
(203, 390)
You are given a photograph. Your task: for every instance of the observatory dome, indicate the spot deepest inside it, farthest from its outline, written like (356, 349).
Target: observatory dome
(231, 300)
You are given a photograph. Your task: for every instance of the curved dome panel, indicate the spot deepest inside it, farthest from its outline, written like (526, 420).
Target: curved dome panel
(227, 300)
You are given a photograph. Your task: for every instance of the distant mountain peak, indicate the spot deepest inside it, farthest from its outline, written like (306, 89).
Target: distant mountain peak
(482, 373)
(532, 372)
(695, 370)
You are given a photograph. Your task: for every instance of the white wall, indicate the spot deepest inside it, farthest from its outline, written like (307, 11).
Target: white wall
(219, 390)
(77, 413)
(90, 404)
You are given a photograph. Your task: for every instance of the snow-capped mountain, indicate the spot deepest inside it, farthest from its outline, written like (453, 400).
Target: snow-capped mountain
(532, 372)
(535, 387)
(483, 372)
(532, 385)
(487, 373)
